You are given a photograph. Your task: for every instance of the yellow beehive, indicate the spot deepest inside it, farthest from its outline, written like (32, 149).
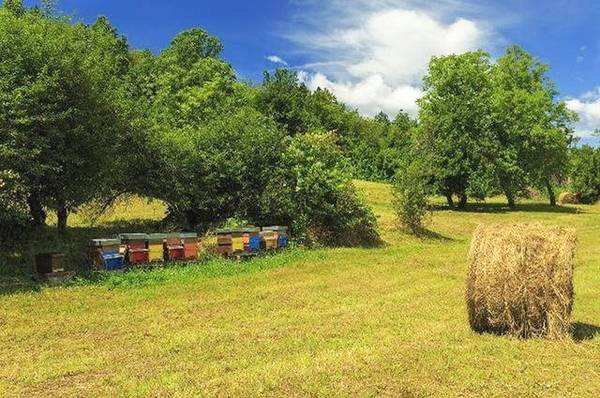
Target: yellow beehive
(156, 247)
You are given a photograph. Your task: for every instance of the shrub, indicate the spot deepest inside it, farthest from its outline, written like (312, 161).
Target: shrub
(325, 206)
(585, 173)
(520, 280)
(218, 171)
(411, 191)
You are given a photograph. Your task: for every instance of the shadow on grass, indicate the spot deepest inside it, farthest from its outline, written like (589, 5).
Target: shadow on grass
(499, 208)
(427, 234)
(584, 331)
(17, 257)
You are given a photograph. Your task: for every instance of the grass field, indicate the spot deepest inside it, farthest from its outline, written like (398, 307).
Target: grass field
(383, 321)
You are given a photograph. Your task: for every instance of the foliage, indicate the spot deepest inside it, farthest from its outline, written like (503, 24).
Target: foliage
(584, 173)
(209, 173)
(59, 123)
(374, 145)
(532, 132)
(487, 128)
(454, 117)
(411, 192)
(326, 208)
(287, 100)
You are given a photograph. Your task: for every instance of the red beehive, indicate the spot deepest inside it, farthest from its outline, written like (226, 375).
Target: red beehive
(175, 249)
(137, 248)
(190, 245)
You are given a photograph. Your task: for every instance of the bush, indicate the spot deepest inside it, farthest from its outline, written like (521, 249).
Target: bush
(325, 207)
(585, 173)
(218, 171)
(411, 191)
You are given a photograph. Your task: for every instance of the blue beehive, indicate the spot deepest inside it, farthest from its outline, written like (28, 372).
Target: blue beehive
(254, 244)
(282, 242)
(104, 254)
(113, 261)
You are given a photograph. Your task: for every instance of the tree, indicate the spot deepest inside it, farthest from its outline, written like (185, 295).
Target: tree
(190, 46)
(454, 121)
(60, 119)
(411, 192)
(14, 6)
(532, 132)
(584, 173)
(283, 97)
(325, 206)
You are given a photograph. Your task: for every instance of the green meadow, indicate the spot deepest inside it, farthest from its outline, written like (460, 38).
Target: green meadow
(389, 320)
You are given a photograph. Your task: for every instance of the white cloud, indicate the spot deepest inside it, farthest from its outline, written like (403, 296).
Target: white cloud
(277, 60)
(370, 95)
(588, 108)
(374, 56)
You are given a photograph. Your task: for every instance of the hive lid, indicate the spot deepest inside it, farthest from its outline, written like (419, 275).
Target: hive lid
(187, 235)
(223, 231)
(105, 242)
(276, 228)
(158, 237)
(111, 256)
(133, 236)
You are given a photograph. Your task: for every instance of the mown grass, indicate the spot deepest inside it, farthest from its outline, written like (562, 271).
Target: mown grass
(384, 321)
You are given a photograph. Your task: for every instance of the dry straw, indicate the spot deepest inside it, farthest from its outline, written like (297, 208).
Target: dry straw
(520, 280)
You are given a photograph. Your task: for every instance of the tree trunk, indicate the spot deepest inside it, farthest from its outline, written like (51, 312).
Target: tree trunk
(463, 201)
(36, 210)
(62, 215)
(510, 198)
(450, 200)
(551, 194)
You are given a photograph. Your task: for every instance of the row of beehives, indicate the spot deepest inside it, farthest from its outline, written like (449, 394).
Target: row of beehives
(135, 249)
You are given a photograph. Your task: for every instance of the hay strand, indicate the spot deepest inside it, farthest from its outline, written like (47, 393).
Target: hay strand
(520, 280)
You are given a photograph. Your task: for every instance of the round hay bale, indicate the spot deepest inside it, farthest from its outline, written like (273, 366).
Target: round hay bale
(520, 280)
(568, 198)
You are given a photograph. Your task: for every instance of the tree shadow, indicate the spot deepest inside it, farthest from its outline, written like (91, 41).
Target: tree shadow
(17, 258)
(499, 208)
(584, 331)
(427, 234)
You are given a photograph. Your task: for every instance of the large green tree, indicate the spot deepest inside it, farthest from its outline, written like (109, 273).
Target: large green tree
(455, 121)
(532, 130)
(59, 122)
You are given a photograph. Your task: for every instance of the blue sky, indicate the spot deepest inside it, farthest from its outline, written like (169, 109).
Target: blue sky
(372, 53)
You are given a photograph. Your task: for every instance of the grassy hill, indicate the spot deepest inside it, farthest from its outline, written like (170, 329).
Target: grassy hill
(389, 320)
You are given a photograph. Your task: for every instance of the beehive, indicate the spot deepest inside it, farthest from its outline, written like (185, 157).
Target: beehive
(137, 247)
(281, 235)
(190, 245)
(225, 242)
(237, 240)
(174, 248)
(269, 238)
(105, 254)
(48, 263)
(251, 239)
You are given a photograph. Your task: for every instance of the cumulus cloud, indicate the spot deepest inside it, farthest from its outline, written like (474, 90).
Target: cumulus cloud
(374, 58)
(277, 60)
(370, 95)
(588, 108)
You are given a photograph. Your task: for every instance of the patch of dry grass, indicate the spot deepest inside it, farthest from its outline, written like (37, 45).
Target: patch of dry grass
(385, 321)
